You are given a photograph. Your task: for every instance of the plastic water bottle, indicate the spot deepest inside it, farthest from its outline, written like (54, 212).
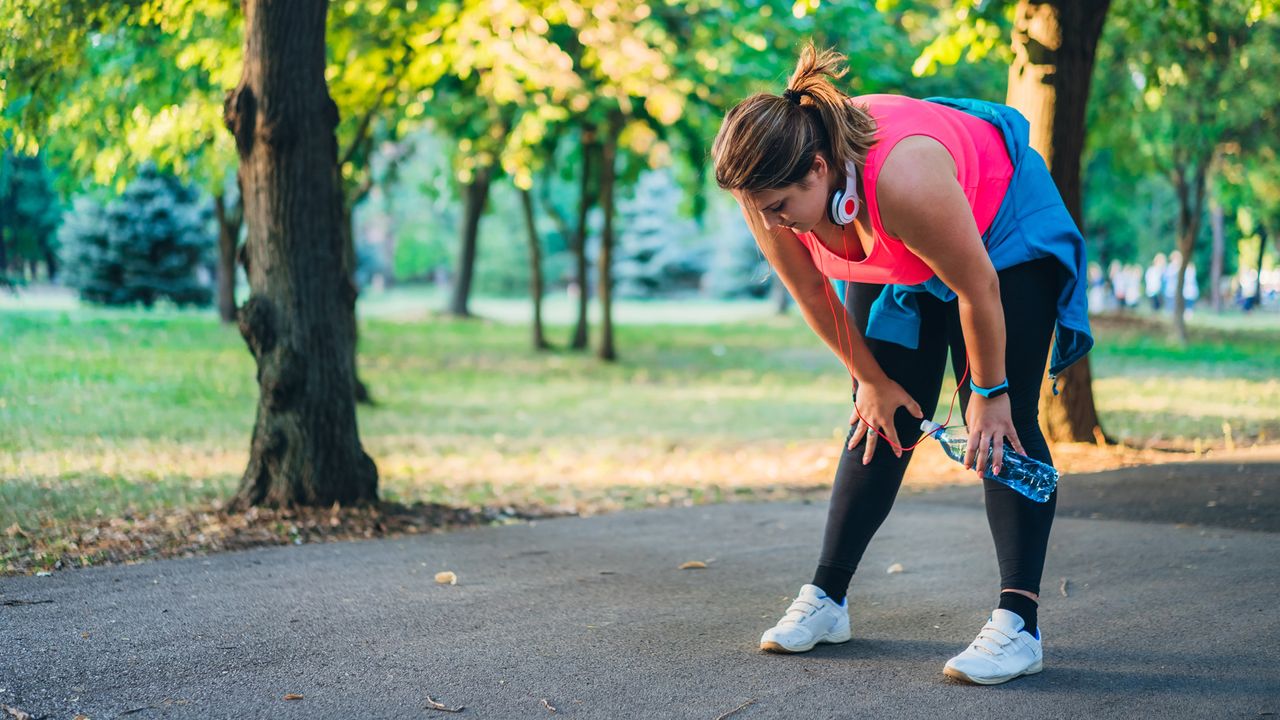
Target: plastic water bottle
(1030, 477)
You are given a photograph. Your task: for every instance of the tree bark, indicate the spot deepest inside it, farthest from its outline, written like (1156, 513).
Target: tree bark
(229, 222)
(535, 270)
(477, 195)
(580, 239)
(299, 316)
(1054, 46)
(608, 156)
(1217, 223)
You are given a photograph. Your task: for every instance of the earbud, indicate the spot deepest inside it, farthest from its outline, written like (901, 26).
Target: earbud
(844, 203)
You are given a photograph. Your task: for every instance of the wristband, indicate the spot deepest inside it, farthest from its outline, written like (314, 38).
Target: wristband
(990, 392)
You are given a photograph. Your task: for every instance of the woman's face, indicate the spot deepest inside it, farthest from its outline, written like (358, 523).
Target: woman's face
(801, 206)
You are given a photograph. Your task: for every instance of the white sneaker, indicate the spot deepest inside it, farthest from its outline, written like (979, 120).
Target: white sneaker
(812, 618)
(1001, 652)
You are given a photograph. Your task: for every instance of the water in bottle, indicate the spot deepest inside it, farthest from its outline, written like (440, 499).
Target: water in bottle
(1032, 478)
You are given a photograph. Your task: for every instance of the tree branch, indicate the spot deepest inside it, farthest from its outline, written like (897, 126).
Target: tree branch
(362, 130)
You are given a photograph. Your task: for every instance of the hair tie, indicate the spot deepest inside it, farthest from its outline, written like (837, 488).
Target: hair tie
(793, 95)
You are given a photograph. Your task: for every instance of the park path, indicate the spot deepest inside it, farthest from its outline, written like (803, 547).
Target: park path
(1173, 616)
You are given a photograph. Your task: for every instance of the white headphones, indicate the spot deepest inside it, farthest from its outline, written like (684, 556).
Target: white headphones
(845, 203)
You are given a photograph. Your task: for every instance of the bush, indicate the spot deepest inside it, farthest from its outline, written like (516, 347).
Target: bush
(658, 252)
(153, 242)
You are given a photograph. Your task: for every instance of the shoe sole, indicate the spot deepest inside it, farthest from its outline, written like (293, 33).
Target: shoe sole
(965, 677)
(776, 647)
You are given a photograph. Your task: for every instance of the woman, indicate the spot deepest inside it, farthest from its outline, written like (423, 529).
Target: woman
(952, 235)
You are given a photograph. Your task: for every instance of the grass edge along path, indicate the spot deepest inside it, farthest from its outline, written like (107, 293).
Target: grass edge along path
(693, 414)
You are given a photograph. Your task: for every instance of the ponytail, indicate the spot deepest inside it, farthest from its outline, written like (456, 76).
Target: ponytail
(770, 141)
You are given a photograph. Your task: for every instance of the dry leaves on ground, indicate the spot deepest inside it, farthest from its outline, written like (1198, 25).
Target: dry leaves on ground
(186, 532)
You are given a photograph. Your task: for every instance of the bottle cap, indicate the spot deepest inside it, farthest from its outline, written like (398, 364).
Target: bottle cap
(929, 427)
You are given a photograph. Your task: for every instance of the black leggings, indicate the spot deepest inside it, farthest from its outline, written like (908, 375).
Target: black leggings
(863, 494)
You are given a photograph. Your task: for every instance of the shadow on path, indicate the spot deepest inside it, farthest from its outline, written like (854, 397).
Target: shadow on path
(1240, 492)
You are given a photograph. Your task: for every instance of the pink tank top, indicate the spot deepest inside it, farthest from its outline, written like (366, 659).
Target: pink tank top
(982, 166)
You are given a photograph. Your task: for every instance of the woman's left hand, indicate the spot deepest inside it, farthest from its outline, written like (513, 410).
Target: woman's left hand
(990, 422)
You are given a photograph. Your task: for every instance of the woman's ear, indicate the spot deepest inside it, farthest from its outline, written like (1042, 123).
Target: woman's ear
(821, 170)
(820, 166)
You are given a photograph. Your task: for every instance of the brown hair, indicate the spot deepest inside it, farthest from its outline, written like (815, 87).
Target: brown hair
(769, 141)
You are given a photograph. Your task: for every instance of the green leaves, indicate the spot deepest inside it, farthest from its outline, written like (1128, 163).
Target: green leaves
(105, 86)
(1180, 79)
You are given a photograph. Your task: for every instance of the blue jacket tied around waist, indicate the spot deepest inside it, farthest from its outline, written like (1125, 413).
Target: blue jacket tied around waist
(1032, 223)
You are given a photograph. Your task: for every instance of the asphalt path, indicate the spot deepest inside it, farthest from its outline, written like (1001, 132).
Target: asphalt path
(1159, 600)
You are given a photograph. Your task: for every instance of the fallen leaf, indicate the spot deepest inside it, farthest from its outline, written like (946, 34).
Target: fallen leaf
(448, 577)
(433, 705)
(15, 530)
(693, 565)
(895, 568)
(292, 696)
(15, 713)
(725, 715)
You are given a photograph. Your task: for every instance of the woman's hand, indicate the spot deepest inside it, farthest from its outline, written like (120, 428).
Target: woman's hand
(990, 423)
(878, 402)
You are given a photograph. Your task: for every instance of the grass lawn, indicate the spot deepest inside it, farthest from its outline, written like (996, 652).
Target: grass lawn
(109, 412)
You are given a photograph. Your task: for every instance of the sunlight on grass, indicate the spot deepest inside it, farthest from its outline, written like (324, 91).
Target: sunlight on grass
(110, 411)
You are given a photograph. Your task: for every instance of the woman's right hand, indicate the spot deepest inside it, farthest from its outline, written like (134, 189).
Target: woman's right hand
(877, 402)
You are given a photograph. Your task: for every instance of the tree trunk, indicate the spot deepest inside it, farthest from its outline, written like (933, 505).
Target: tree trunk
(608, 155)
(535, 270)
(298, 319)
(50, 260)
(781, 296)
(229, 221)
(1054, 45)
(1217, 222)
(1190, 193)
(347, 228)
(1262, 251)
(477, 195)
(580, 239)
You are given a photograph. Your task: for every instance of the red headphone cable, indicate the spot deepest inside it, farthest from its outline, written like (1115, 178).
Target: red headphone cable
(848, 331)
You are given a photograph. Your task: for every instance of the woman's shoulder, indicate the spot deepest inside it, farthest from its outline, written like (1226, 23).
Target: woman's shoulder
(917, 172)
(897, 117)
(887, 102)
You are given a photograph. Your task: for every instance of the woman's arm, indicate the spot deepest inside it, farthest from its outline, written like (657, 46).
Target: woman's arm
(813, 294)
(878, 396)
(922, 204)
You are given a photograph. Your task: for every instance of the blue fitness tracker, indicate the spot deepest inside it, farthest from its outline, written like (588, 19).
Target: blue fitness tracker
(990, 392)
